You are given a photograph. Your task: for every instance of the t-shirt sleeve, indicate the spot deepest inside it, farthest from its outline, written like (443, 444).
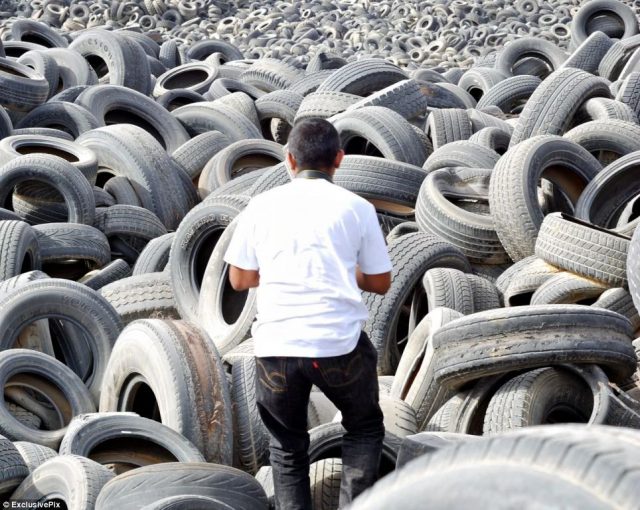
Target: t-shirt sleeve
(241, 251)
(373, 257)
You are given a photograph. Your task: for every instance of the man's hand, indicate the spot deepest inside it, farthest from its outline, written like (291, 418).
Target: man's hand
(243, 279)
(377, 283)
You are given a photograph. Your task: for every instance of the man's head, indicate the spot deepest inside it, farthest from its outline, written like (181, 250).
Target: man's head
(314, 144)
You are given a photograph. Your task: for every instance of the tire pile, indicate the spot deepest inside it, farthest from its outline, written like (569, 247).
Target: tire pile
(508, 191)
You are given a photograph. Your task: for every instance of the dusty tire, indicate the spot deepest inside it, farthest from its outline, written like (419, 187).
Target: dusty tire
(142, 486)
(582, 341)
(150, 349)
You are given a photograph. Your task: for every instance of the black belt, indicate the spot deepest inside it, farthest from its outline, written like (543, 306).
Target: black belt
(313, 174)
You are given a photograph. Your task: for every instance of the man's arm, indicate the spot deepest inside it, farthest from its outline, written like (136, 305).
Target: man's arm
(243, 279)
(377, 283)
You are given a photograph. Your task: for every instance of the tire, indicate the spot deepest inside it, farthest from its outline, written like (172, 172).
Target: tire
(583, 249)
(390, 185)
(19, 249)
(130, 224)
(237, 159)
(112, 272)
(551, 108)
(465, 348)
(407, 227)
(399, 417)
(202, 49)
(223, 87)
(48, 376)
(599, 108)
(269, 178)
(411, 256)
(123, 60)
(448, 125)
(142, 297)
(74, 71)
(197, 389)
(325, 104)
(620, 12)
(464, 412)
(527, 280)
(192, 245)
(194, 154)
(363, 77)
(81, 158)
(325, 476)
(281, 106)
(149, 442)
(448, 288)
(57, 173)
(143, 486)
(440, 96)
(484, 292)
(122, 191)
(242, 103)
(129, 151)
(270, 74)
(547, 395)
(251, 438)
(155, 255)
(309, 83)
(188, 502)
(479, 80)
(14, 470)
(606, 196)
(110, 103)
(43, 64)
(413, 381)
(25, 417)
(511, 94)
(176, 98)
(528, 47)
(566, 289)
(38, 33)
(461, 154)
(403, 97)
(325, 442)
(525, 455)
(425, 443)
(472, 232)
(629, 92)
(33, 454)
(386, 130)
(633, 268)
(603, 137)
(199, 118)
(21, 88)
(619, 300)
(194, 76)
(589, 52)
(73, 118)
(73, 480)
(513, 188)
(493, 138)
(71, 302)
(224, 313)
(61, 242)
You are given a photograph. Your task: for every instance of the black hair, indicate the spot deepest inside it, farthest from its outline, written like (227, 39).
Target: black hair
(314, 143)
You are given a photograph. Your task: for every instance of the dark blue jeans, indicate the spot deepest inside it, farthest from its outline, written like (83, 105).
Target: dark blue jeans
(351, 383)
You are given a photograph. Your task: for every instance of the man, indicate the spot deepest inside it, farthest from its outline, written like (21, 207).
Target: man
(311, 246)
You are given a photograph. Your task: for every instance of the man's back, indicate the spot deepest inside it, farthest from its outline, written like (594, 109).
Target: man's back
(308, 236)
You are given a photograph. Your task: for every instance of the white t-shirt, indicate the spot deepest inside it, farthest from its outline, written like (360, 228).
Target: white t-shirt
(306, 238)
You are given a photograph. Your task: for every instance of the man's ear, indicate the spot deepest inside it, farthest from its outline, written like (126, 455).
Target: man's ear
(293, 164)
(338, 159)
